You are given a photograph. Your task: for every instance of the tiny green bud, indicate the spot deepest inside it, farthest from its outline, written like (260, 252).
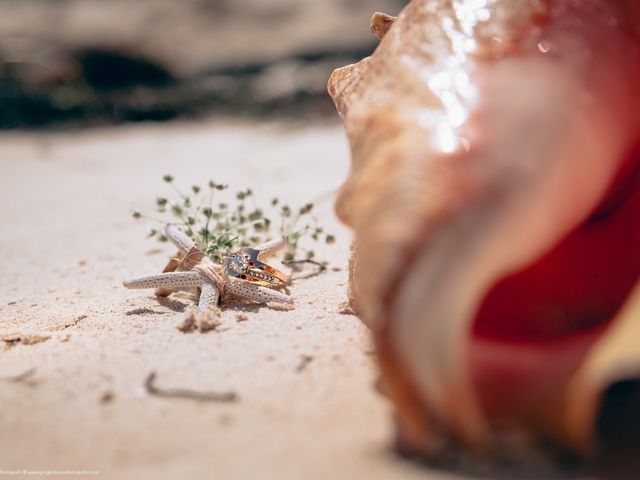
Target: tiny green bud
(136, 214)
(207, 212)
(330, 239)
(306, 209)
(310, 254)
(196, 189)
(176, 209)
(274, 202)
(191, 221)
(162, 238)
(161, 201)
(285, 211)
(255, 215)
(151, 232)
(222, 187)
(167, 178)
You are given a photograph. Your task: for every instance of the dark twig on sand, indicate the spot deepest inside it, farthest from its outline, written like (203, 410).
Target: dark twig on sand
(321, 267)
(220, 397)
(305, 360)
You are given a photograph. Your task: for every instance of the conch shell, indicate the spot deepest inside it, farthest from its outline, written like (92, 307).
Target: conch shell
(494, 200)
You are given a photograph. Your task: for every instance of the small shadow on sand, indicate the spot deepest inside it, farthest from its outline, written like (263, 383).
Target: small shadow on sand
(25, 378)
(243, 307)
(172, 304)
(549, 465)
(494, 469)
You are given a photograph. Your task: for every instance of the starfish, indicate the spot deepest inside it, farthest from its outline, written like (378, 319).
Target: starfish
(196, 270)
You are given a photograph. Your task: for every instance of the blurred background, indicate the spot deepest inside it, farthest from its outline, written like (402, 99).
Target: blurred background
(96, 62)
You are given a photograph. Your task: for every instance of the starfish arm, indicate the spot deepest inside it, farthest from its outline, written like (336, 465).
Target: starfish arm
(209, 295)
(270, 248)
(179, 238)
(166, 280)
(173, 264)
(257, 293)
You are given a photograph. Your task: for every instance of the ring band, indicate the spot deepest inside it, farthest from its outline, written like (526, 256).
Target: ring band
(245, 265)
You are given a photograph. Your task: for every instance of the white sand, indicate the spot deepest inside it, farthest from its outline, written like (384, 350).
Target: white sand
(67, 243)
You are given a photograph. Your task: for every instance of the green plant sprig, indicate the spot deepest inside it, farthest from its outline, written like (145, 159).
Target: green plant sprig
(220, 224)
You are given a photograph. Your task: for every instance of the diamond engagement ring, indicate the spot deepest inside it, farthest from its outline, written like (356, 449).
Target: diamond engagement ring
(245, 265)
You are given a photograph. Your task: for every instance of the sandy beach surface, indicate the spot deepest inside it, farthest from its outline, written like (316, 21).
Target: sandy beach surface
(76, 401)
